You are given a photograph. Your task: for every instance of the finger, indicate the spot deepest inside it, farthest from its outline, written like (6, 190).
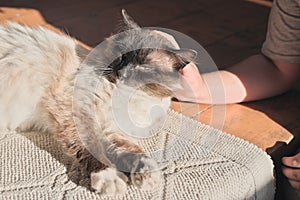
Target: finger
(190, 68)
(293, 161)
(295, 185)
(291, 174)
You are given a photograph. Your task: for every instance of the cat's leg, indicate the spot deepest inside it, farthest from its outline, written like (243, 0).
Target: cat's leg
(87, 149)
(105, 179)
(131, 159)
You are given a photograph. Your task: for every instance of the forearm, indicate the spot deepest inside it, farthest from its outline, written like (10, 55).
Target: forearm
(258, 77)
(252, 79)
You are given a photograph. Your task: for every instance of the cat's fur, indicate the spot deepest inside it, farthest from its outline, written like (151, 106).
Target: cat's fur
(43, 87)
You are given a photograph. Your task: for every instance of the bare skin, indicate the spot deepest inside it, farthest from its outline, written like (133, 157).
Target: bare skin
(292, 172)
(256, 77)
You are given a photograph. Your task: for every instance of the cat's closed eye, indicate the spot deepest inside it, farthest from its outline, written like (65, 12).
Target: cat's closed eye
(144, 67)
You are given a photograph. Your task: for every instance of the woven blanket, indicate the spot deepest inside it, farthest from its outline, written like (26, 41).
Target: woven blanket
(197, 162)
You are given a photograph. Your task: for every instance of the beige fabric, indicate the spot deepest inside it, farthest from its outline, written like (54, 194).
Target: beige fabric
(198, 162)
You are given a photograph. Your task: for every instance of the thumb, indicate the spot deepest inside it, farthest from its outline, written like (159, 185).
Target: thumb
(292, 161)
(189, 69)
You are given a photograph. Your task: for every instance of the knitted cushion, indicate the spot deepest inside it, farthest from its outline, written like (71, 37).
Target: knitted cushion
(197, 161)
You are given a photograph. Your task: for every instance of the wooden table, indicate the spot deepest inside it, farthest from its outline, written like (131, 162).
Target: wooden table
(240, 120)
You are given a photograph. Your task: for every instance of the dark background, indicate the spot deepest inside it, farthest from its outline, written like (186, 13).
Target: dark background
(230, 30)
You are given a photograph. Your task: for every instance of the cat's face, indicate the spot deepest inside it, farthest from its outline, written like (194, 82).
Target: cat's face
(155, 71)
(149, 61)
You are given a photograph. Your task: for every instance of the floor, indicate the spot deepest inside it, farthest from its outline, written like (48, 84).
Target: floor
(228, 30)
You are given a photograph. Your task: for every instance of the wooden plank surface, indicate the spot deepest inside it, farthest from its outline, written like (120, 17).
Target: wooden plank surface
(239, 120)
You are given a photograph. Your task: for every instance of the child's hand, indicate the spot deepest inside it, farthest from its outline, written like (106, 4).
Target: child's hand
(191, 82)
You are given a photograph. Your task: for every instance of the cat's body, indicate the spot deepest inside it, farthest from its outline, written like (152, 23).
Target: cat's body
(40, 73)
(31, 60)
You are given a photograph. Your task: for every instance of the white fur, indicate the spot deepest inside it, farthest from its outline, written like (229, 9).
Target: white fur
(126, 110)
(149, 176)
(107, 181)
(30, 61)
(135, 117)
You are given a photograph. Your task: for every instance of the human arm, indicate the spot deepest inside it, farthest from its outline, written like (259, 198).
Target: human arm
(254, 78)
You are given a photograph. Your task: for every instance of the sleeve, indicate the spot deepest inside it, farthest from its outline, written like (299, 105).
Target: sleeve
(283, 36)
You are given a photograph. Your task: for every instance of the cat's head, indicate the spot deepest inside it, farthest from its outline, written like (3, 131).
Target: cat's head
(147, 59)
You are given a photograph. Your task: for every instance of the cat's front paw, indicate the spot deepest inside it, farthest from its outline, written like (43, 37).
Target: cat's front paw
(148, 175)
(108, 181)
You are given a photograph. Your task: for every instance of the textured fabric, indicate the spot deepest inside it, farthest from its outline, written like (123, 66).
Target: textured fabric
(197, 162)
(283, 36)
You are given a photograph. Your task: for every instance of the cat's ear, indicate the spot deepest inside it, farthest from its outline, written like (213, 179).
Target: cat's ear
(188, 55)
(130, 24)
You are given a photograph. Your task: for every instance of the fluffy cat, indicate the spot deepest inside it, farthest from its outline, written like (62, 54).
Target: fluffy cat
(44, 86)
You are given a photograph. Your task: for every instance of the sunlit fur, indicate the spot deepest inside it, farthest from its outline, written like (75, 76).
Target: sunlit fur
(37, 75)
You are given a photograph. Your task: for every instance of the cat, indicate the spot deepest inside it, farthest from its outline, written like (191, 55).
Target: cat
(46, 85)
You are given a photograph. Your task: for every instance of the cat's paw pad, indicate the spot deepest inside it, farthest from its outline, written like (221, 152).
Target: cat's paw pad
(108, 182)
(148, 175)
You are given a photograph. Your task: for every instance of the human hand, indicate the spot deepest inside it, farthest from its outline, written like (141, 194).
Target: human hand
(191, 83)
(292, 171)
